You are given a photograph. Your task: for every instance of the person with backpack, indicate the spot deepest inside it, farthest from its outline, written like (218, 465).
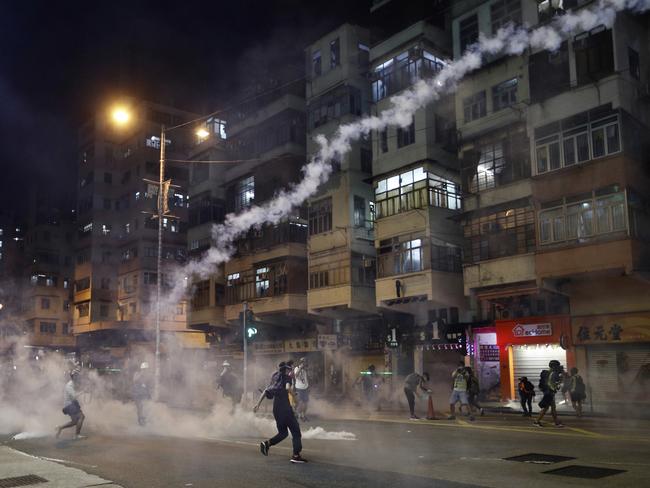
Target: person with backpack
(459, 392)
(577, 391)
(285, 418)
(230, 385)
(473, 390)
(71, 406)
(550, 382)
(526, 394)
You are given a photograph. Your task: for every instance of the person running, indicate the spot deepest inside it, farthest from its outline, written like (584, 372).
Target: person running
(526, 394)
(550, 382)
(71, 406)
(141, 391)
(577, 391)
(301, 385)
(473, 390)
(230, 385)
(285, 419)
(411, 384)
(459, 392)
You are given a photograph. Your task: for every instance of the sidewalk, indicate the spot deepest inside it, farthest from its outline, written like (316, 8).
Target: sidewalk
(16, 464)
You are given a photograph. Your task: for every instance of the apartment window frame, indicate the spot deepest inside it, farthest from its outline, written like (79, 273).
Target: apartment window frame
(475, 106)
(320, 216)
(244, 195)
(262, 281)
(316, 63)
(504, 94)
(335, 53)
(594, 54)
(468, 31)
(580, 144)
(201, 295)
(634, 63)
(580, 218)
(47, 328)
(406, 136)
(401, 255)
(503, 12)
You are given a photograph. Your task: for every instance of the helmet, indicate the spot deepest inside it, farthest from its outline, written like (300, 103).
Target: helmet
(144, 365)
(554, 363)
(302, 360)
(226, 364)
(75, 373)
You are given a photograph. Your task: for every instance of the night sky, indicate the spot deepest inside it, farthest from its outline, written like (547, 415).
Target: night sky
(60, 61)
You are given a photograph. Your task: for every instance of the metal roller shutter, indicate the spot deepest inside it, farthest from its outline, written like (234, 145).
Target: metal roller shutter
(530, 360)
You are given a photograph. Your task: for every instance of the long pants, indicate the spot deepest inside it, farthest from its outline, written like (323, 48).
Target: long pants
(141, 409)
(410, 397)
(526, 401)
(287, 422)
(473, 401)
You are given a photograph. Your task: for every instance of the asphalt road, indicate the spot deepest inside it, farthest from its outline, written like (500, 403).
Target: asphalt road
(388, 452)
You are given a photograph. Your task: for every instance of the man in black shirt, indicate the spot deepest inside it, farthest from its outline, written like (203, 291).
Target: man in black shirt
(285, 419)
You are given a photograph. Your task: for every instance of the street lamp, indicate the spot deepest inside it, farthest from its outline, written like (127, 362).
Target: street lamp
(121, 116)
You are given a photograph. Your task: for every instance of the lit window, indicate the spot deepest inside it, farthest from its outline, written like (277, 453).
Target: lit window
(261, 281)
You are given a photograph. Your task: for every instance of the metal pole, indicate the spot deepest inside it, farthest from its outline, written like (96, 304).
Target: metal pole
(159, 263)
(243, 326)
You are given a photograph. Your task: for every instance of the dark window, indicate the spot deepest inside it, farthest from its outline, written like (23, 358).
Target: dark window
(634, 63)
(503, 233)
(406, 136)
(320, 216)
(316, 63)
(48, 327)
(82, 284)
(504, 11)
(468, 31)
(504, 94)
(366, 160)
(83, 309)
(474, 107)
(594, 51)
(548, 73)
(383, 140)
(335, 53)
(319, 279)
(359, 211)
(201, 297)
(45, 303)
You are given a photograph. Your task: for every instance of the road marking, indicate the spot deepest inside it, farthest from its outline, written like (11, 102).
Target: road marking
(587, 432)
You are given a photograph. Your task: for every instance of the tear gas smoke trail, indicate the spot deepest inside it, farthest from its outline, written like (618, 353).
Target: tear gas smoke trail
(509, 40)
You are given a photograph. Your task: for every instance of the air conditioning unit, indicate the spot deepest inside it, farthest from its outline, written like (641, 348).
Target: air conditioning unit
(368, 263)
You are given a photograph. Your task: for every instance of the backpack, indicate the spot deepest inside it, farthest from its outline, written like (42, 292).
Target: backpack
(543, 380)
(580, 387)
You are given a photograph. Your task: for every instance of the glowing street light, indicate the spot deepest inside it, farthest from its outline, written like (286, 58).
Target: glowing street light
(202, 133)
(120, 115)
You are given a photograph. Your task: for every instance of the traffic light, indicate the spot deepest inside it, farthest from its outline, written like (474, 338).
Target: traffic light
(249, 324)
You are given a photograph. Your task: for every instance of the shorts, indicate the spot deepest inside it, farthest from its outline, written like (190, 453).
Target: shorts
(547, 400)
(303, 395)
(577, 397)
(458, 396)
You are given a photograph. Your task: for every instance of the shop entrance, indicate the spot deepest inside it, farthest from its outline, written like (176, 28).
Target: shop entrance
(530, 359)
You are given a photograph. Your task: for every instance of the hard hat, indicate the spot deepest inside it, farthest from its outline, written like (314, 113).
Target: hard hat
(226, 363)
(144, 365)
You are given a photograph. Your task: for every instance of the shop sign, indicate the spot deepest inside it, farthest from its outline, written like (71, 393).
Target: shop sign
(268, 347)
(532, 330)
(488, 352)
(328, 342)
(611, 328)
(301, 345)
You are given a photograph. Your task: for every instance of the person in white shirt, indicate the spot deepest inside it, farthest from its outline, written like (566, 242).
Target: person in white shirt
(302, 388)
(71, 406)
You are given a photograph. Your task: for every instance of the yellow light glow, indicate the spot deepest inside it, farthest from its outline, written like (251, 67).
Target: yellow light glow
(202, 133)
(121, 115)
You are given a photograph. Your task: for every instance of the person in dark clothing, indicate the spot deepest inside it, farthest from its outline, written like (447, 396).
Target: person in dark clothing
(411, 384)
(473, 390)
(550, 382)
(526, 394)
(141, 391)
(285, 419)
(230, 385)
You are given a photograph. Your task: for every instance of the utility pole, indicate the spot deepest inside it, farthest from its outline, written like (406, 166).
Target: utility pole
(161, 208)
(245, 339)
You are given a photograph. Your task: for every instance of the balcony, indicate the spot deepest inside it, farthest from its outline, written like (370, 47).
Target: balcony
(500, 271)
(281, 304)
(341, 301)
(206, 317)
(271, 236)
(426, 285)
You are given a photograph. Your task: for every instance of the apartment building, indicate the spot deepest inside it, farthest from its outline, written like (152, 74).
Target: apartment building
(11, 264)
(341, 250)
(115, 271)
(554, 217)
(48, 276)
(416, 181)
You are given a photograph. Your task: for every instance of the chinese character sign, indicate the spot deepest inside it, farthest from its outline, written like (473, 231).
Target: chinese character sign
(601, 329)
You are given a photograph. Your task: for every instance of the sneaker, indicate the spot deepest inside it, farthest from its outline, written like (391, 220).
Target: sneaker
(537, 423)
(264, 448)
(482, 412)
(58, 432)
(559, 425)
(471, 418)
(79, 437)
(414, 417)
(298, 459)
(451, 417)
